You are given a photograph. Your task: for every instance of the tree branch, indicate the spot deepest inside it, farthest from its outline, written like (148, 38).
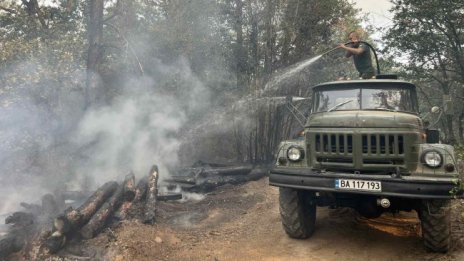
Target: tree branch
(129, 45)
(9, 10)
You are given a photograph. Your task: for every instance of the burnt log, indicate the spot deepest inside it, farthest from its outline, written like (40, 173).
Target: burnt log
(169, 196)
(55, 242)
(73, 219)
(129, 187)
(151, 199)
(123, 210)
(141, 190)
(9, 245)
(20, 219)
(49, 205)
(227, 171)
(208, 180)
(182, 180)
(31, 208)
(92, 204)
(129, 195)
(98, 221)
(60, 199)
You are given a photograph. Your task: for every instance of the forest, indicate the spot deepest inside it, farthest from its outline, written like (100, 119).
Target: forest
(91, 89)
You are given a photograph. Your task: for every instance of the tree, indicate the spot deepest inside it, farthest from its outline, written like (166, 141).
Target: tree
(430, 35)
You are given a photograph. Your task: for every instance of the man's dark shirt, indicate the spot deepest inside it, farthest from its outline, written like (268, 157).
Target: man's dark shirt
(363, 62)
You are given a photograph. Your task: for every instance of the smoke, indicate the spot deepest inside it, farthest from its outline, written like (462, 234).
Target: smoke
(48, 141)
(36, 113)
(142, 126)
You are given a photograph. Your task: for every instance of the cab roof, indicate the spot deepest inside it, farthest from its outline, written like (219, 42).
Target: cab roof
(371, 83)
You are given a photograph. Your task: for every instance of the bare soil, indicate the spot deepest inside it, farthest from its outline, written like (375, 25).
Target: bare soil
(243, 223)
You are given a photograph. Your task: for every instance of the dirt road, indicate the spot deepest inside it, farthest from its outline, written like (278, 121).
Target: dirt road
(243, 223)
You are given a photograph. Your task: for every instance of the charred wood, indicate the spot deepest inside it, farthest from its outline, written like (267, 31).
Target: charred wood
(34, 209)
(9, 245)
(206, 180)
(60, 199)
(49, 205)
(95, 201)
(227, 171)
(152, 192)
(182, 180)
(141, 190)
(73, 219)
(98, 221)
(123, 210)
(20, 219)
(201, 163)
(129, 187)
(55, 242)
(169, 196)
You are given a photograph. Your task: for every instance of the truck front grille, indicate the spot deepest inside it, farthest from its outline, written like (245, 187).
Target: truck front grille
(357, 150)
(334, 143)
(383, 144)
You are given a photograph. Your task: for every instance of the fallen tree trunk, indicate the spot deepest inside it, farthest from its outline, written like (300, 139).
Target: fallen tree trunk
(9, 245)
(209, 179)
(73, 219)
(129, 187)
(169, 196)
(152, 192)
(141, 190)
(32, 208)
(129, 195)
(20, 219)
(97, 222)
(82, 215)
(227, 171)
(123, 210)
(49, 205)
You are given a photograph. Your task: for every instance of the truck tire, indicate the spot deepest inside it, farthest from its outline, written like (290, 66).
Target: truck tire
(436, 224)
(298, 212)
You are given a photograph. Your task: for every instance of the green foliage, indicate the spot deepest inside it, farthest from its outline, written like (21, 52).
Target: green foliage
(428, 37)
(459, 152)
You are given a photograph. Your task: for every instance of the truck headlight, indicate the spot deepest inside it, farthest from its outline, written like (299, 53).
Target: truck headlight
(432, 158)
(295, 153)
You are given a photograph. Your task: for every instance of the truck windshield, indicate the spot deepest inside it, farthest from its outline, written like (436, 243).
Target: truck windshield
(363, 99)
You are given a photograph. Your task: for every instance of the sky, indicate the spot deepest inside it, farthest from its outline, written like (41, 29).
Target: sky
(378, 13)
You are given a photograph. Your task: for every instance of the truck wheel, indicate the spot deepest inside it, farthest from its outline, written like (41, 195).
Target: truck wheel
(436, 224)
(298, 212)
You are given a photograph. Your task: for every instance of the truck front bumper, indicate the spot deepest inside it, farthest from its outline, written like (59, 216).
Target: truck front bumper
(405, 186)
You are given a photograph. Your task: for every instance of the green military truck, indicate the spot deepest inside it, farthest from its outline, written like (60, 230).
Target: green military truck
(364, 146)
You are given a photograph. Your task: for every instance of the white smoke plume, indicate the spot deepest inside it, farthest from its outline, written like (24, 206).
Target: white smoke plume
(47, 146)
(142, 126)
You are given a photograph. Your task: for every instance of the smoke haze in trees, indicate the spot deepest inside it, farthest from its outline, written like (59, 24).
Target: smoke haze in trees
(48, 141)
(142, 126)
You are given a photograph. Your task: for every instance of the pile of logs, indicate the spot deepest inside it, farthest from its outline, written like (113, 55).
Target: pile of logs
(204, 177)
(48, 227)
(110, 201)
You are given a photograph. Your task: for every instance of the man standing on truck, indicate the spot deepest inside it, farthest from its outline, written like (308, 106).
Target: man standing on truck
(361, 55)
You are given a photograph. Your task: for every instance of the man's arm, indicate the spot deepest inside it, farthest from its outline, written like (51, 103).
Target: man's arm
(350, 50)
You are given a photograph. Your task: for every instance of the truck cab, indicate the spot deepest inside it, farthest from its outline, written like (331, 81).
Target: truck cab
(365, 147)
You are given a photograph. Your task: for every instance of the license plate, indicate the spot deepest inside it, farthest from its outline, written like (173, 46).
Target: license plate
(357, 184)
